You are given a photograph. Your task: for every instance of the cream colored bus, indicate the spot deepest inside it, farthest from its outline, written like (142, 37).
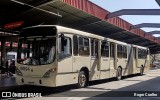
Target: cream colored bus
(56, 55)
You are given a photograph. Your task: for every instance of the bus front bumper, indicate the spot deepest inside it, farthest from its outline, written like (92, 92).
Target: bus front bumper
(39, 81)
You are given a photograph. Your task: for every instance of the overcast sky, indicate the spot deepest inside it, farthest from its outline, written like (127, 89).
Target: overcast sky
(114, 5)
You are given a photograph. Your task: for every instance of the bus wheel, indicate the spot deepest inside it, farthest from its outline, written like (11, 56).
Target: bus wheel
(82, 79)
(119, 74)
(141, 70)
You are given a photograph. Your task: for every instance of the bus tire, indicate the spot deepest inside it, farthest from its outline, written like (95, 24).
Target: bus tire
(141, 70)
(82, 79)
(119, 74)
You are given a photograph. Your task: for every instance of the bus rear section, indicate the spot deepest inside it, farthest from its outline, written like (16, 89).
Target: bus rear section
(141, 59)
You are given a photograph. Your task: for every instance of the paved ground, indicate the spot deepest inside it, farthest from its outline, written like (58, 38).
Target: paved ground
(7, 81)
(146, 87)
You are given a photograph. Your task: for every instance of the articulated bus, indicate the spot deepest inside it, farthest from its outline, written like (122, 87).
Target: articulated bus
(56, 56)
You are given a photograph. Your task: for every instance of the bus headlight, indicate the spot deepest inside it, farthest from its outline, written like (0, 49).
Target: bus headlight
(49, 73)
(18, 72)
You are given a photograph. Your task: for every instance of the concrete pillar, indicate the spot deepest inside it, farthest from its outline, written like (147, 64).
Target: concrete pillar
(3, 53)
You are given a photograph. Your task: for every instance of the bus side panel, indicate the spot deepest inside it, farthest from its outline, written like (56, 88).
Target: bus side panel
(112, 68)
(65, 66)
(66, 78)
(104, 74)
(94, 74)
(80, 62)
(64, 73)
(104, 69)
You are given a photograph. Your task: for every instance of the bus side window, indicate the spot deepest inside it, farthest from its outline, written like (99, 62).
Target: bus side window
(67, 48)
(139, 53)
(83, 46)
(144, 54)
(124, 51)
(104, 49)
(112, 55)
(134, 51)
(119, 51)
(75, 45)
(94, 47)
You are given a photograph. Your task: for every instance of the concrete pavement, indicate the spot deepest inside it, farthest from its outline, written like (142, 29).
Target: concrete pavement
(103, 89)
(130, 88)
(7, 82)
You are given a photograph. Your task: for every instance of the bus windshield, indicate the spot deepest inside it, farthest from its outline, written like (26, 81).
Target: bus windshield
(37, 46)
(36, 50)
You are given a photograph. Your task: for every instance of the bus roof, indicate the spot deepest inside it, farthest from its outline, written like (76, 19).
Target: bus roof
(139, 47)
(69, 30)
(62, 29)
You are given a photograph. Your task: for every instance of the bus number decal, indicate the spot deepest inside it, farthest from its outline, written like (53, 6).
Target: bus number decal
(24, 68)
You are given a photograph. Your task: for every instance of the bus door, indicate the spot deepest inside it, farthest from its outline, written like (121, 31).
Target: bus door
(81, 53)
(104, 59)
(94, 55)
(122, 58)
(112, 59)
(65, 54)
(95, 65)
(135, 58)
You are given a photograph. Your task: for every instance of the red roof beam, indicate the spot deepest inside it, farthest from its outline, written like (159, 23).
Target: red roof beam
(101, 13)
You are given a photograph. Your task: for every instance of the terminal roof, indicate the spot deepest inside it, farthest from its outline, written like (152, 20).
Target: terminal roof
(79, 14)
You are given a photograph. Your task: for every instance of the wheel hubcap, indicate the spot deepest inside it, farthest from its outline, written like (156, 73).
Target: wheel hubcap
(141, 71)
(119, 73)
(82, 80)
